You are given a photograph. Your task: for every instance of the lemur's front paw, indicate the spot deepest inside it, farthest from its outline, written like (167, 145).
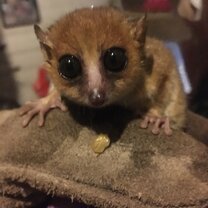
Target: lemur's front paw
(40, 107)
(158, 124)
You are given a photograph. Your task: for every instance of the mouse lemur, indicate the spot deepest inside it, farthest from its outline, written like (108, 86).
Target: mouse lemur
(98, 57)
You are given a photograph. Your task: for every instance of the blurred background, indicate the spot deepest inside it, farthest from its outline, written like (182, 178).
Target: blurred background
(181, 24)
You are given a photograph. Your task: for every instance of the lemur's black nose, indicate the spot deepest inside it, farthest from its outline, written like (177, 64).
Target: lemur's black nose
(97, 97)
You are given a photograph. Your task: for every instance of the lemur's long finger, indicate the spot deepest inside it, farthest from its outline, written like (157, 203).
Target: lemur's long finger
(60, 105)
(168, 131)
(29, 116)
(145, 122)
(24, 109)
(41, 119)
(156, 126)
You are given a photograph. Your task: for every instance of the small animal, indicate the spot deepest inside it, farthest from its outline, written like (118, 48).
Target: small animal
(98, 57)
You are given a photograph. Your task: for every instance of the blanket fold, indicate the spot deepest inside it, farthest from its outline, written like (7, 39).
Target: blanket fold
(137, 170)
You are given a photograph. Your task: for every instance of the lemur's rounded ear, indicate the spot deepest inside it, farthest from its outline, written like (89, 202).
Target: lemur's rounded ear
(42, 36)
(139, 28)
(45, 44)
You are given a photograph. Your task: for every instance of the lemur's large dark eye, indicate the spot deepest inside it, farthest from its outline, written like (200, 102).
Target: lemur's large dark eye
(115, 59)
(69, 67)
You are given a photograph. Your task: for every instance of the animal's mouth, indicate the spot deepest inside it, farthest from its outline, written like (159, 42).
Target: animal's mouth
(97, 104)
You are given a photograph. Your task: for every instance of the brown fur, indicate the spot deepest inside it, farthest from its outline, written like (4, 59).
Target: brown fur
(164, 86)
(86, 33)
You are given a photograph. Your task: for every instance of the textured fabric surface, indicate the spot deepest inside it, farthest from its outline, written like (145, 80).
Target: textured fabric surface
(137, 170)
